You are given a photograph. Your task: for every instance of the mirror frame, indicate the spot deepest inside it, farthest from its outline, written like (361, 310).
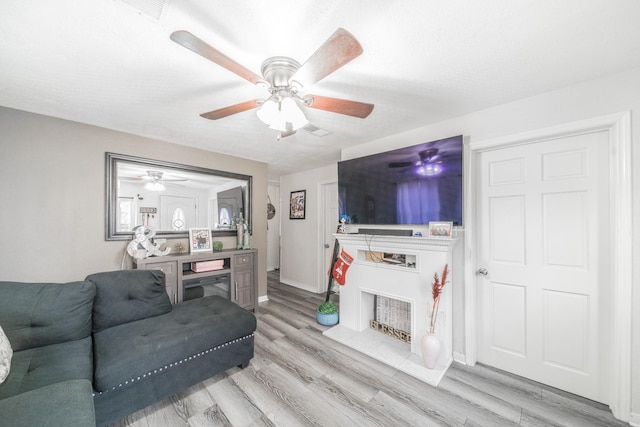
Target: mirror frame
(111, 178)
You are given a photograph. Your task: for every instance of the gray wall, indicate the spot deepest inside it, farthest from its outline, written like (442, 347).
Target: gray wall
(52, 185)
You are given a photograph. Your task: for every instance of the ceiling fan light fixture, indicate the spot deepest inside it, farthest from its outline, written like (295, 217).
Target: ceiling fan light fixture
(429, 169)
(154, 186)
(282, 113)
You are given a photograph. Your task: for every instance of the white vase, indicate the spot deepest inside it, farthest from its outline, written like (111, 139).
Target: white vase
(430, 346)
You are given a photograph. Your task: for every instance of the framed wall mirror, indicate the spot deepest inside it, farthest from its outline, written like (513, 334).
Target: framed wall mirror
(172, 198)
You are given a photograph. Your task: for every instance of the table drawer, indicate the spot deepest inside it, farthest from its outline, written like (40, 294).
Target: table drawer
(244, 259)
(170, 269)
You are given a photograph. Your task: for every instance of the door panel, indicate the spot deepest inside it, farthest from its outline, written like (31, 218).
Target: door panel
(507, 213)
(509, 306)
(543, 217)
(566, 347)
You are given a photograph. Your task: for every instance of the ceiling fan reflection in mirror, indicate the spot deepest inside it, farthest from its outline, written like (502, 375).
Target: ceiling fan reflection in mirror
(155, 180)
(285, 79)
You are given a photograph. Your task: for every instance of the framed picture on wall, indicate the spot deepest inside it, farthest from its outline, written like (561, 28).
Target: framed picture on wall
(297, 204)
(200, 240)
(440, 229)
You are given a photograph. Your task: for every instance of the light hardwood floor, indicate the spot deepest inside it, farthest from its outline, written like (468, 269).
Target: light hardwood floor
(298, 377)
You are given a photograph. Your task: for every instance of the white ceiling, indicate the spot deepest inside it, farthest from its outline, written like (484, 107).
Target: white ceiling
(105, 63)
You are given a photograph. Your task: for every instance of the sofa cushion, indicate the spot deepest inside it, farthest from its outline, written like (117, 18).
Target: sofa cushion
(126, 353)
(39, 314)
(67, 403)
(41, 366)
(128, 295)
(5, 356)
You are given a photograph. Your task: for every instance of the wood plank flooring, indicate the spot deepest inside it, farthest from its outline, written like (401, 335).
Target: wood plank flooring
(298, 377)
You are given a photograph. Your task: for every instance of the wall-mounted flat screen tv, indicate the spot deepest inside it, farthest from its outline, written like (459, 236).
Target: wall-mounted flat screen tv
(411, 185)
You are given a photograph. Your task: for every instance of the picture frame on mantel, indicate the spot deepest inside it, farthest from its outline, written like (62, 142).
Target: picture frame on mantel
(200, 240)
(297, 203)
(440, 229)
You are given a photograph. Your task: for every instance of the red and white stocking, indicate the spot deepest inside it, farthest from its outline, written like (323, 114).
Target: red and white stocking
(341, 266)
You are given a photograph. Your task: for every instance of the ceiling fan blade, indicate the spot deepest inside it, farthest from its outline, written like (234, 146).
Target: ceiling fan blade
(340, 106)
(230, 110)
(340, 48)
(193, 43)
(400, 164)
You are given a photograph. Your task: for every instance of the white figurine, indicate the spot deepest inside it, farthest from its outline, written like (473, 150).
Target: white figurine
(141, 245)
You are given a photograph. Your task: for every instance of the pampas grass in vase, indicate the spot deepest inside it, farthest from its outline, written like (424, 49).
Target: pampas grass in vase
(436, 290)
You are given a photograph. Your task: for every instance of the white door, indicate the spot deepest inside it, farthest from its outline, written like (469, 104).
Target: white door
(330, 226)
(177, 213)
(543, 241)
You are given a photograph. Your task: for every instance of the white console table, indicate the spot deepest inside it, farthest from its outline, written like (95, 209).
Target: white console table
(407, 280)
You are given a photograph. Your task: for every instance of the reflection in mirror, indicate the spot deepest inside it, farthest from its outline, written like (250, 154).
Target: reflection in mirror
(172, 198)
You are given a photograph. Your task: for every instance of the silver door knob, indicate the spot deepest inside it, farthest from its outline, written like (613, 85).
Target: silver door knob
(326, 246)
(482, 272)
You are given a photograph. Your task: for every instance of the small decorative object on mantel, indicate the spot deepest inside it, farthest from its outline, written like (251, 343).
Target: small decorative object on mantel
(342, 228)
(141, 246)
(178, 248)
(217, 245)
(430, 343)
(440, 229)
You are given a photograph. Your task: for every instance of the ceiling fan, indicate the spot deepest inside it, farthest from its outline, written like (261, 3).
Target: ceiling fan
(429, 162)
(155, 180)
(285, 78)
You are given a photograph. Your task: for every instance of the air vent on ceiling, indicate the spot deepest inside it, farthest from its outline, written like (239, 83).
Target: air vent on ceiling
(151, 8)
(316, 130)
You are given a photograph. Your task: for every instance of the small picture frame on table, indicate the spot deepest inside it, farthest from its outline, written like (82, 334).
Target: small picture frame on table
(440, 229)
(200, 240)
(297, 204)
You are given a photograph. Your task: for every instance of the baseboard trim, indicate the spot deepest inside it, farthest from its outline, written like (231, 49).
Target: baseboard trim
(459, 358)
(263, 298)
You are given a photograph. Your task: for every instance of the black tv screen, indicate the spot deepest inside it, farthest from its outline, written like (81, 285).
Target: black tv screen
(411, 185)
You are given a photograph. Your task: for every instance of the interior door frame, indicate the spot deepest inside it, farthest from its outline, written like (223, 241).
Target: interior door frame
(618, 127)
(321, 284)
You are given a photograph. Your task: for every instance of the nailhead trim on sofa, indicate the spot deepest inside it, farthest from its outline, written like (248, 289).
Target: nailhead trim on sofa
(186, 359)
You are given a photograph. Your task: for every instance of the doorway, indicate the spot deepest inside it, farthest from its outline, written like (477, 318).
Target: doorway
(493, 298)
(543, 221)
(329, 226)
(186, 206)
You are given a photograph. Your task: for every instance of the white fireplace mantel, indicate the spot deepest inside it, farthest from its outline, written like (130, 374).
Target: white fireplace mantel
(410, 282)
(422, 243)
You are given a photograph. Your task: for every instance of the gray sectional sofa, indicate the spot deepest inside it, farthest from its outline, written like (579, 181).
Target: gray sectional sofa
(92, 352)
